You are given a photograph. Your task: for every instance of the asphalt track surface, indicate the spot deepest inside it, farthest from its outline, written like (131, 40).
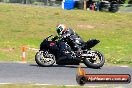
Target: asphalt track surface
(57, 75)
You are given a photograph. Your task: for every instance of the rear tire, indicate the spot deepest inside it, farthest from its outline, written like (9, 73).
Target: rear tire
(89, 62)
(41, 59)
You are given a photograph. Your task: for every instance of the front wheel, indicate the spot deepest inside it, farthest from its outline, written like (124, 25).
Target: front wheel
(43, 58)
(94, 60)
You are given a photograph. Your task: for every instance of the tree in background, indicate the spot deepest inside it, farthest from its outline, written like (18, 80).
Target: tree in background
(130, 2)
(24, 2)
(122, 1)
(118, 1)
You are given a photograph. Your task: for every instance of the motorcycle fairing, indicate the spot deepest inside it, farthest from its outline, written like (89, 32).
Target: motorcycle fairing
(91, 43)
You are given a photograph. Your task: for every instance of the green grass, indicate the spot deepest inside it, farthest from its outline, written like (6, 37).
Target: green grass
(25, 25)
(125, 7)
(53, 86)
(32, 86)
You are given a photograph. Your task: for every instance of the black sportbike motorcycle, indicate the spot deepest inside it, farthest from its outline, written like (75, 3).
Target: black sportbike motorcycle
(51, 53)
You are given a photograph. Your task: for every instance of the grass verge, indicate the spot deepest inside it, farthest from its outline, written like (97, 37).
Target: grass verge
(54, 86)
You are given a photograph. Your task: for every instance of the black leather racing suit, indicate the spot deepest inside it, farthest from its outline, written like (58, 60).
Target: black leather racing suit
(73, 39)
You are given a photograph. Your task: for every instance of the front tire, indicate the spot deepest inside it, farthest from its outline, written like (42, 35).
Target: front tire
(91, 62)
(44, 60)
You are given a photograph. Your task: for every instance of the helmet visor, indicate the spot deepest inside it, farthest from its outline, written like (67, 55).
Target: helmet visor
(58, 30)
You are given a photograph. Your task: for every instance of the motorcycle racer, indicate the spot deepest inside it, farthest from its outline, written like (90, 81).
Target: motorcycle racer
(72, 38)
(67, 48)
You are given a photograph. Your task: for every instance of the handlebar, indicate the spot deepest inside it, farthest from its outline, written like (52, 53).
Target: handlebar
(58, 37)
(49, 36)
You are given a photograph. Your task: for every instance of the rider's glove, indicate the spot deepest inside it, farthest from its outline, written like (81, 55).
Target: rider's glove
(54, 38)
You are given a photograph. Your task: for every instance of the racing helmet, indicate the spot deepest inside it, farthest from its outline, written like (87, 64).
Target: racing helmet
(60, 28)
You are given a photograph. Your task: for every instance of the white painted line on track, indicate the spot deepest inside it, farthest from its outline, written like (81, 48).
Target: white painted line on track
(41, 84)
(124, 66)
(5, 83)
(65, 85)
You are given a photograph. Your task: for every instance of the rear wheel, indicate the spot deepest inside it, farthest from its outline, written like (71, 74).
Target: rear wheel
(95, 59)
(43, 59)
